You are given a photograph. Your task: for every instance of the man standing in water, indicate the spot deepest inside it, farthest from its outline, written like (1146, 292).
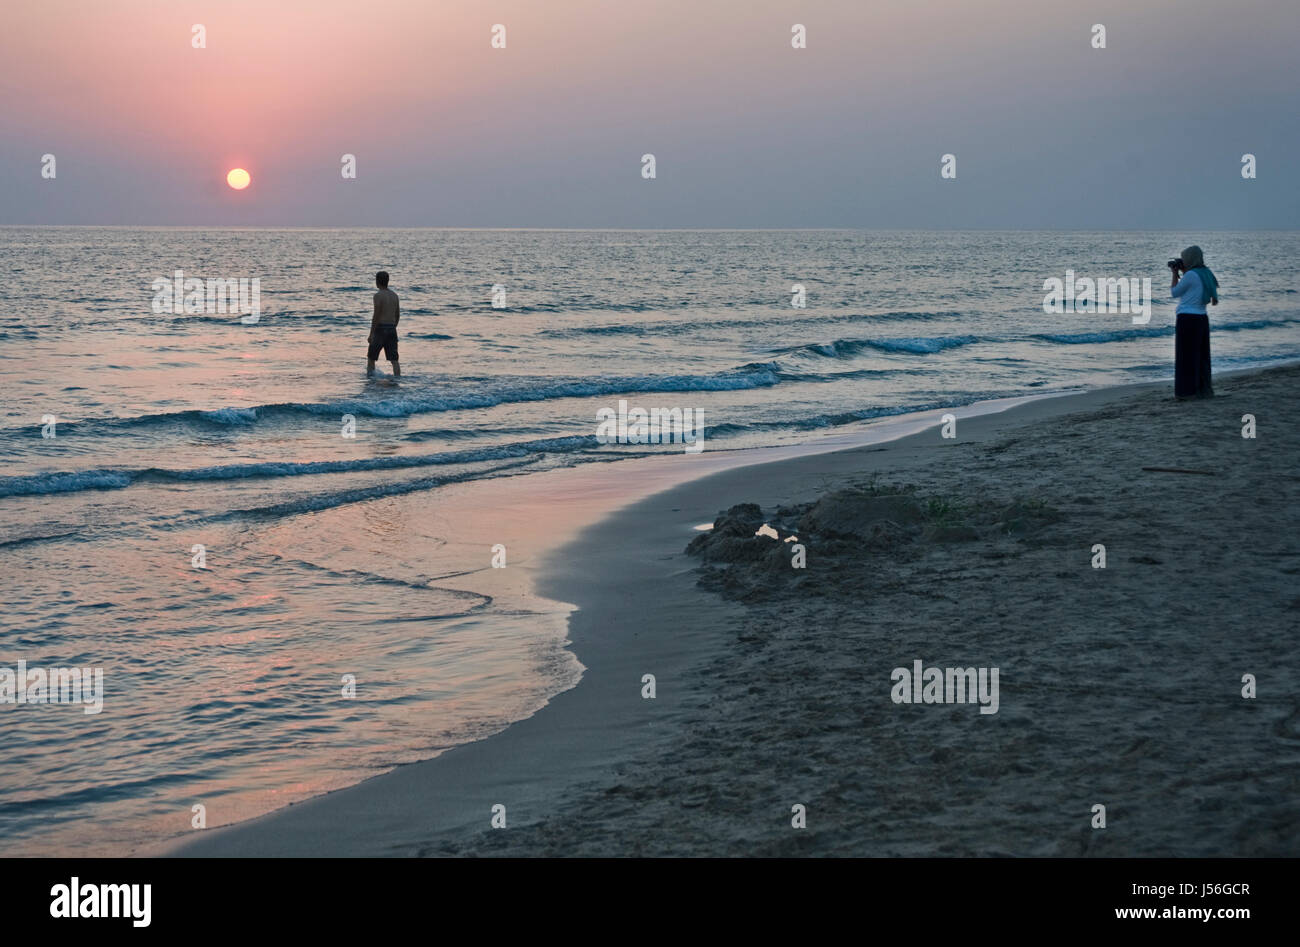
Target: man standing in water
(383, 326)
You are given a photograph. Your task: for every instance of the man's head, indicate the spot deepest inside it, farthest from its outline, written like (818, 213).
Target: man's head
(381, 279)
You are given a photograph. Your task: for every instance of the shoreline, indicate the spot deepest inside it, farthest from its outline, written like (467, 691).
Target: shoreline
(587, 735)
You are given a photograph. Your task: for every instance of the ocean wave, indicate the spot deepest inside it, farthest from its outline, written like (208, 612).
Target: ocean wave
(600, 305)
(1093, 338)
(1250, 324)
(540, 390)
(68, 482)
(840, 418)
(1250, 360)
(673, 327)
(819, 421)
(492, 393)
(230, 415)
(1122, 335)
(325, 501)
(578, 448)
(74, 481)
(619, 329)
(846, 348)
(308, 468)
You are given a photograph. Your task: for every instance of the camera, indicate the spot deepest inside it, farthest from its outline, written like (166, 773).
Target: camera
(1175, 265)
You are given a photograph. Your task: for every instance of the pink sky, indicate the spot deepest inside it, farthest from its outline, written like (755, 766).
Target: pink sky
(447, 129)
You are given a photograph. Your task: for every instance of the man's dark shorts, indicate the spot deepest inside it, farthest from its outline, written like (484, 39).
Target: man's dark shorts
(384, 337)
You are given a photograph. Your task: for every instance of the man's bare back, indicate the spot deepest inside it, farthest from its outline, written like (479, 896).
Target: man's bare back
(383, 326)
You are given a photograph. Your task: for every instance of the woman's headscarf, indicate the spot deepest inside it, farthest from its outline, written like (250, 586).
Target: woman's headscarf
(1193, 259)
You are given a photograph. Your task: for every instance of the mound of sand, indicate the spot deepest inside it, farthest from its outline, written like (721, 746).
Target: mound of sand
(751, 555)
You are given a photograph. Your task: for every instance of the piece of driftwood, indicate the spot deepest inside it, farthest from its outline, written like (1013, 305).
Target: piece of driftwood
(1209, 473)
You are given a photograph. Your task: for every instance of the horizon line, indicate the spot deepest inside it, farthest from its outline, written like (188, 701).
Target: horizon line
(652, 229)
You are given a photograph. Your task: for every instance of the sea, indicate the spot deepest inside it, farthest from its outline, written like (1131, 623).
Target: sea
(201, 503)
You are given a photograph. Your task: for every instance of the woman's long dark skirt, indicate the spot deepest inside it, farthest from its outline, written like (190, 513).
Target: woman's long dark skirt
(1192, 356)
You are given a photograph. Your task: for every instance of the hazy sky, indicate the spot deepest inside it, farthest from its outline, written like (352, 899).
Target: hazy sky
(746, 131)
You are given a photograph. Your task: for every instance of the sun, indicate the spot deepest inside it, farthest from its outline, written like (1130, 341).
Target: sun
(238, 178)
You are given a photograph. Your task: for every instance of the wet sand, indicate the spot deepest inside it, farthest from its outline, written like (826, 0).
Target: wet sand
(1118, 686)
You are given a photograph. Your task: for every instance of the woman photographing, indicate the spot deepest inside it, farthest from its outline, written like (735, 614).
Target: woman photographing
(1196, 287)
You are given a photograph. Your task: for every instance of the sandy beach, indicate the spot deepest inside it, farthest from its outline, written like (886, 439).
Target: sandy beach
(1120, 686)
(608, 434)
